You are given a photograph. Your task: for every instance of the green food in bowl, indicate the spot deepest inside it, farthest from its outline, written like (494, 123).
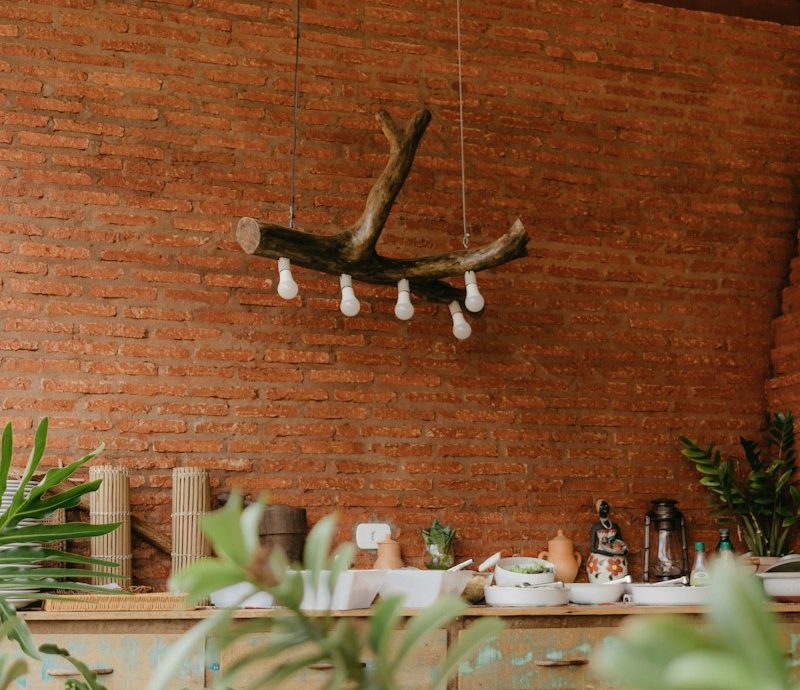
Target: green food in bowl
(532, 569)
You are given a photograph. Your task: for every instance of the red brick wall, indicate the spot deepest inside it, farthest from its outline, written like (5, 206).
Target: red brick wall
(650, 151)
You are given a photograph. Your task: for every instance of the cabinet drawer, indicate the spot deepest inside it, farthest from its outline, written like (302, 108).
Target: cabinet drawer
(543, 659)
(131, 658)
(417, 673)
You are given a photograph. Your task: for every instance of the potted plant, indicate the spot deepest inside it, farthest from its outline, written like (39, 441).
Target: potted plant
(25, 560)
(759, 495)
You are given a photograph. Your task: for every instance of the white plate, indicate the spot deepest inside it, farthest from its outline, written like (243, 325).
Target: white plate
(526, 596)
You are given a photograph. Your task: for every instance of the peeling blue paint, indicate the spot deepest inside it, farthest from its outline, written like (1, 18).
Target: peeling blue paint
(485, 656)
(522, 660)
(794, 638)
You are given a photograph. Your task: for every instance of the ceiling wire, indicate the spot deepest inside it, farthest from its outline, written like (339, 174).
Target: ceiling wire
(295, 110)
(461, 130)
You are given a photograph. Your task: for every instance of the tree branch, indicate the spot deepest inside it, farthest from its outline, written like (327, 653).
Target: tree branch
(353, 251)
(364, 234)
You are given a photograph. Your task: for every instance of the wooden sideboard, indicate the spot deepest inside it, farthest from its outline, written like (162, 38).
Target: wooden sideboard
(540, 649)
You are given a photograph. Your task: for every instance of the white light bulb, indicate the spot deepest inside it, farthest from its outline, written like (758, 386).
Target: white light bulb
(287, 288)
(349, 305)
(403, 310)
(474, 301)
(461, 329)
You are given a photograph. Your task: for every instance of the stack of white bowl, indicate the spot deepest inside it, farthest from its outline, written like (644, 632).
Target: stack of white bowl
(19, 595)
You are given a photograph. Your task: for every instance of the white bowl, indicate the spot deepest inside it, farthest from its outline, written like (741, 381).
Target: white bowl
(504, 577)
(355, 589)
(667, 595)
(595, 593)
(421, 588)
(782, 586)
(526, 596)
(243, 595)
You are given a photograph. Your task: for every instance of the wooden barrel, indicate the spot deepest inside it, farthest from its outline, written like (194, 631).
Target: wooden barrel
(285, 526)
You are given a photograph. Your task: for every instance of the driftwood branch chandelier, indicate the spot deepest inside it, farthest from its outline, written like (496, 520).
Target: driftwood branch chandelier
(351, 254)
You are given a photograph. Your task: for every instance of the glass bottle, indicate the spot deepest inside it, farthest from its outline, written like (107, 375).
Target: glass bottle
(699, 574)
(725, 550)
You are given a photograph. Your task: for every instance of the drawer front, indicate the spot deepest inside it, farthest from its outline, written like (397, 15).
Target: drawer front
(418, 672)
(790, 638)
(131, 659)
(544, 659)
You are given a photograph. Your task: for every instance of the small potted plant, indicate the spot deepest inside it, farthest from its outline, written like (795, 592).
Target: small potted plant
(759, 493)
(438, 540)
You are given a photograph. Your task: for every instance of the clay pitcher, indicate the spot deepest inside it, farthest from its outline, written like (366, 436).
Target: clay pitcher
(562, 554)
(388, 555)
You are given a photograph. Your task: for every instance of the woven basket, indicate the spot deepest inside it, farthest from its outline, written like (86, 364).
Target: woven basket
(157, 601)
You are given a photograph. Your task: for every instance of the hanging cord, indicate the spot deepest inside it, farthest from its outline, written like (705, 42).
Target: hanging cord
(461, 129)
(295, 110)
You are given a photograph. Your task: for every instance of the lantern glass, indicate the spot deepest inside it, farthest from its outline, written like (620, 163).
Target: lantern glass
(669, 556)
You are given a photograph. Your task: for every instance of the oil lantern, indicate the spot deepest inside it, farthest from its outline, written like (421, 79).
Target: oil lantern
(669, 558)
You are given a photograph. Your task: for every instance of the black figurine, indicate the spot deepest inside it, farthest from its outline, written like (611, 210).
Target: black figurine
(607, 560)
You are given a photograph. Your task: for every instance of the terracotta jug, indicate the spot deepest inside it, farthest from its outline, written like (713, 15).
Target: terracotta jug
(562, 554)
(388, 555)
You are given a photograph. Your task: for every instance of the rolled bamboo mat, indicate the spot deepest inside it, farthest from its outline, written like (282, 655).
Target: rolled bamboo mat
(191, 500)
(111, 503)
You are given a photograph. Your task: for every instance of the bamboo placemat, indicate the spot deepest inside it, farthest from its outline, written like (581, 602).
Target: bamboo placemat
(157, 601)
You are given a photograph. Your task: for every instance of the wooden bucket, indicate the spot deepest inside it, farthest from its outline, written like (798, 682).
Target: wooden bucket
(287, 527)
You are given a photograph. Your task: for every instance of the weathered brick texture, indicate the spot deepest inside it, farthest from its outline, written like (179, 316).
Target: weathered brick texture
(652, 153)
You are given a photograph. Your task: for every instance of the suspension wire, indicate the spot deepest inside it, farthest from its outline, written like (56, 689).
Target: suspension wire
(295, 110)
(461, 129)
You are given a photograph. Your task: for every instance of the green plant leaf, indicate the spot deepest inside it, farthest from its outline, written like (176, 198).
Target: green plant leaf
(709, 670)
(167, 669)
(340, 561)
(205, 576)
(45, 533)
(748, 627)
(41, 507)
(422, 625)
(19, 630)
(224, 530)
(55, 475)
(88, 675)
(318, 546)
(468, 640)
(249, 521)
(285, 670)
(11, 670)
(6, 454)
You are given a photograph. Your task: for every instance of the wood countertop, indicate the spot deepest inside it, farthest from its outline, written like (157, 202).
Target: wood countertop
(571, 611)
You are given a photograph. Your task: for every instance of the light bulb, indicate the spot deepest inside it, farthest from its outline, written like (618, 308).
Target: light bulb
(403, 310)
(287, 288)
(349, 305)
(474, 301)
(461, 329)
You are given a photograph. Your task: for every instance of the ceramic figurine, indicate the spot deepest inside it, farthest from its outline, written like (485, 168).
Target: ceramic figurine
(608, 558)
